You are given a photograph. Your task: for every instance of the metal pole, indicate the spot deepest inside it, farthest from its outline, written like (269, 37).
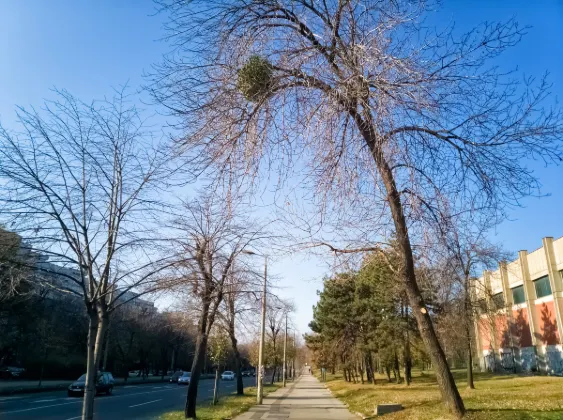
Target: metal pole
(260, 389)
(285, 353)
(294, 354)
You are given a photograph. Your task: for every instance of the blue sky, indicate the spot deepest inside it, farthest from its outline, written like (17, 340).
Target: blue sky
(89, 47)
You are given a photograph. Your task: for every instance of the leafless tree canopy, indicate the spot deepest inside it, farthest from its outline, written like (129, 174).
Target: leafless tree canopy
(450, 123)
(80, 184)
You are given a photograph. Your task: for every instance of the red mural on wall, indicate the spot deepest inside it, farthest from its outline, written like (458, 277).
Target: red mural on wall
(548, 333)
(521, 328)
(485, 333)
(502, 334)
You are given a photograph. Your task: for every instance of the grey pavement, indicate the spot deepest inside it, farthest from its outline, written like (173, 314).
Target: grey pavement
(307, 399)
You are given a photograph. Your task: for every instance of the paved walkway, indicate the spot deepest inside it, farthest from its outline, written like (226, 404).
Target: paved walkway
(307, 399)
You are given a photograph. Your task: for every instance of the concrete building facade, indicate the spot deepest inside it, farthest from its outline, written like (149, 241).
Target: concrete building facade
(520, 309)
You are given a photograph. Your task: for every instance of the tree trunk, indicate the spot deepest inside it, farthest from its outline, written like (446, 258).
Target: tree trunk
(238, 366)
(173, 361)
(448, 389)
(106, 350)
(43, 360)
(274, 374)
(388, 372)
(197, 367)
(96, 332)
(468, 321)
(216, 387)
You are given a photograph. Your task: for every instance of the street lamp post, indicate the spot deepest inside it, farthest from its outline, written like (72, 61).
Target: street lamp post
(294, 354)
(285, 353)
(260, 373)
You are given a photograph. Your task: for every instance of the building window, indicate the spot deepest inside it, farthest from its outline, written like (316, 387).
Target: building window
(518, 295)
(543, 288)
(498, 300)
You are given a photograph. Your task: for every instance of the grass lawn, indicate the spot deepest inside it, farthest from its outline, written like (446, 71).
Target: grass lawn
(495, 397)
(227, 407)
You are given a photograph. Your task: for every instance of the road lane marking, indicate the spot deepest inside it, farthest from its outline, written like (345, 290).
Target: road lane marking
(149, 402)
(42, 401)
(159, 387)
(80, 400)
(77, 417)
(39, 408)
(131, 386)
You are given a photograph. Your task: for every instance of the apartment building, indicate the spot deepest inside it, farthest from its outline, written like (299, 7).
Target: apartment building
(519, 325)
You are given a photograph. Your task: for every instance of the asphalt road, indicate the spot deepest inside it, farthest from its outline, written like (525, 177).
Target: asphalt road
(147, 401)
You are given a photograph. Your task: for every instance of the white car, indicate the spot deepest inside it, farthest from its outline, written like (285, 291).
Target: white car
(185, 378)
(228, 375)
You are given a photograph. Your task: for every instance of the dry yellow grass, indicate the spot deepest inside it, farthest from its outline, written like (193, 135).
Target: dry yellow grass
(228, 406)
(500, 397)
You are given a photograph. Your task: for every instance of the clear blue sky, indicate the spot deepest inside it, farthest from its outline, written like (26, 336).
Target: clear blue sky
(88, 47)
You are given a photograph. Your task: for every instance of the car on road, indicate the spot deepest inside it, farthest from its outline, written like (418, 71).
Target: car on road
(175, 376)
(185, 378)
(11, 372)
(228, 375)
(245, 373)
(104, 384)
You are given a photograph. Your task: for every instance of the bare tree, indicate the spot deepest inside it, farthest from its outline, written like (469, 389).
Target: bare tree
(389, 115)
(78, 184)
(211, 237)
(239, 301)
(467, 251)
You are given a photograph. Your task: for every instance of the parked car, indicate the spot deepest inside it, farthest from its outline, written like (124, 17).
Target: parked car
(185, 378)
(134, 373)
(175, 376)
(245, 373)
(104, 384)
(11, 372)
(228, 375)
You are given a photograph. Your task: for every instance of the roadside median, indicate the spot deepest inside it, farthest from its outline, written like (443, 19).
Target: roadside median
(227, 407)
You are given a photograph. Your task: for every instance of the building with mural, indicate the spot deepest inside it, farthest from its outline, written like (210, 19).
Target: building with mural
(520, 307)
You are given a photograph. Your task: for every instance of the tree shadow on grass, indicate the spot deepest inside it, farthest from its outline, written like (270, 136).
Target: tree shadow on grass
(514, 414)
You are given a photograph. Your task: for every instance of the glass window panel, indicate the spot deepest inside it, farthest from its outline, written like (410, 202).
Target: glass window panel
(518, 295)
(498, 300)
(543, 288)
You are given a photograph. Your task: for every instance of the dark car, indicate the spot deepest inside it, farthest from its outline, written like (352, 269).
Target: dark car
(11, 372)
(174, 378)
(185, 378)
(104, 384)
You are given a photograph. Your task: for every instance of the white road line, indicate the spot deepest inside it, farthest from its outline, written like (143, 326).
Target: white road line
(42, 401)
(77, 417)
(131, 386)
(80, 400)
(159, 387)
(149, 402)
(9, 398)
(39, 408)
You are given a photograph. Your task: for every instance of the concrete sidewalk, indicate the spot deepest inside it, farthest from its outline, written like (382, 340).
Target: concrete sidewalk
(307, 399)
